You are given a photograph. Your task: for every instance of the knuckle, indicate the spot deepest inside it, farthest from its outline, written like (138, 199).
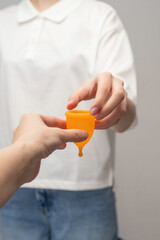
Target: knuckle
(100, 75)
(14, 131)
(105, 74)
(32, 114)
(98, 103)
(108, 74)
(86, 94)
(61, 136)
(121, 94)
(123, 110)
(70, 97)
(27, 115)
(107, 110)
(77, 133)
(122, 83)
(24, 116)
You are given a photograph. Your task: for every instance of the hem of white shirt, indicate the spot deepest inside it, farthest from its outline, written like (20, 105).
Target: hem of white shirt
(68, 185)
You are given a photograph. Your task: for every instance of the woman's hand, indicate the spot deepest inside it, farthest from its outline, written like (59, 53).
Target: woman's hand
(39, 136)
(110, 103)
(35, 138)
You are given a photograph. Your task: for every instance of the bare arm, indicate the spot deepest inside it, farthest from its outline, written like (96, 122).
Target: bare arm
(12, 161)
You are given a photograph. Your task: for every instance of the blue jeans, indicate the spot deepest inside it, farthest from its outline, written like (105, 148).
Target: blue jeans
(37, 214)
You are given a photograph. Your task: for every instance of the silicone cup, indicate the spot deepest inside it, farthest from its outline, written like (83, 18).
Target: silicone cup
(77, 119)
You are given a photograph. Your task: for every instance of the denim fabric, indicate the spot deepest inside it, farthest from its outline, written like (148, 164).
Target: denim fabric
(36, 214)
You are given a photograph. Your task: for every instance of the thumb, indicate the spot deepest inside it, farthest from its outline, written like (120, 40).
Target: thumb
(73, 135)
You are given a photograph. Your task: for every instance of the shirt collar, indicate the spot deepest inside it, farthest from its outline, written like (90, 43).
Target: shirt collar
(57, 13)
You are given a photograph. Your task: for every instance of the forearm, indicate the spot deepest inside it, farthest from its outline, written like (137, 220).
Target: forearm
(12, 162)
(128, 118)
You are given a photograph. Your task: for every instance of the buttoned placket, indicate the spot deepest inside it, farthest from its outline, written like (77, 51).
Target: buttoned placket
(34, 37)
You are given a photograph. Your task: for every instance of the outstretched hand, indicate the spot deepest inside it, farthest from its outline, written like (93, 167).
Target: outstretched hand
(40, 136)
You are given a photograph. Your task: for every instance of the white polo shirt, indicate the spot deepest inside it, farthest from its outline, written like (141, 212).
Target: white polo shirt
(45, 57)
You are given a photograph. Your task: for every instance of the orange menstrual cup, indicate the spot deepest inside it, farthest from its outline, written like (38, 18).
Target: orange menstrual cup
(83, 120)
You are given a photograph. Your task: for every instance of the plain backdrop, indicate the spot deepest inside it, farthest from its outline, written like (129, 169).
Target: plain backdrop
(138, 150)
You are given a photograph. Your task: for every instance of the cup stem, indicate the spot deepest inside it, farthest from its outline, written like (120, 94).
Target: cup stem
(80, 152)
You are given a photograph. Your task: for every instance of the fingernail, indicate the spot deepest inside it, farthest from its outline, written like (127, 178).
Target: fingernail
(94, 110)
(85, 134)
(99, 117)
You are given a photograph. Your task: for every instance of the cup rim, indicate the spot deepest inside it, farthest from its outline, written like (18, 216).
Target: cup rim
(76, 112)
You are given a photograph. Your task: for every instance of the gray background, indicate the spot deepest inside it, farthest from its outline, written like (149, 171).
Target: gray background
(138, 151)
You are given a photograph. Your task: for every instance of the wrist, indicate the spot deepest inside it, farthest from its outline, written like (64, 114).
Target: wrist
(12, 165)
(27, 151)
(26, 155)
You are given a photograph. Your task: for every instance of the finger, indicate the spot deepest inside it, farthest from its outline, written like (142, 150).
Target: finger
(73, 103)
(113, 118)
(73, 135)
(52, 121)
(118, 95)
(104, 81)
(85, 92)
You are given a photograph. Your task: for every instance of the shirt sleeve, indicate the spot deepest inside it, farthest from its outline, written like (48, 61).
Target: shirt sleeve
(114, 54)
